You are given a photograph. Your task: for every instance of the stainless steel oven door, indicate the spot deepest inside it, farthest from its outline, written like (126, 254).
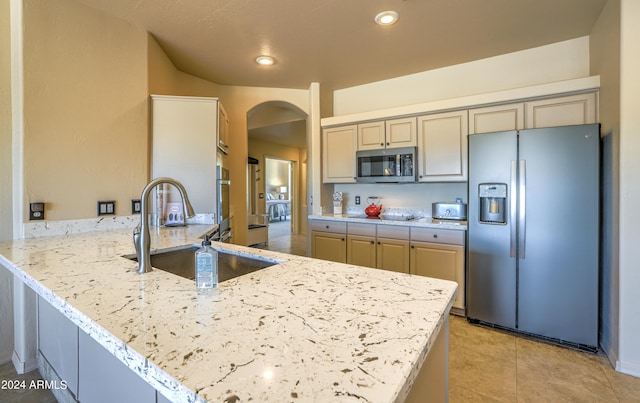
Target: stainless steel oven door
(224, 185)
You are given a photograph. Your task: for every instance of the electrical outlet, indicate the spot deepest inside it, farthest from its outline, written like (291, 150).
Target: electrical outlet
(357, 200)
(36, 211)
(106, 207)
(136, 207)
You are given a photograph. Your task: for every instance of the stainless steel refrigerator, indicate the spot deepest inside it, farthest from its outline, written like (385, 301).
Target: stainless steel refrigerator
(533, 230)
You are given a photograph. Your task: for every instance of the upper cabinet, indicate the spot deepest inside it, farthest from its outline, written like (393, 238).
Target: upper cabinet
(441, 138)
(339, 154)
(498, 118)
(563, 111)
(549, 112)
(442, 147)
(387, 134)
(184, 131)
(223, 130)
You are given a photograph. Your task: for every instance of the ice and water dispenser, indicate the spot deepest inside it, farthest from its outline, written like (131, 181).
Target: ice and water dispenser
(493, 203)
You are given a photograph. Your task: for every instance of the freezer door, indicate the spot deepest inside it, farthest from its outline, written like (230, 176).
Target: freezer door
(491, 276)
(558, 276)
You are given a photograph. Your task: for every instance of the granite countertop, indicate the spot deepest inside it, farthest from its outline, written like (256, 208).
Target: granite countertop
(425, 222)
(305, 328)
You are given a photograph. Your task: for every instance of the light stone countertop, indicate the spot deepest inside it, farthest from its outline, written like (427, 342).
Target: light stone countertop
(424, 222)
(305, 329)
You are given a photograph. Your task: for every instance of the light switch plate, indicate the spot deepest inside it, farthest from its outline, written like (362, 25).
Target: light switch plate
(106, 207)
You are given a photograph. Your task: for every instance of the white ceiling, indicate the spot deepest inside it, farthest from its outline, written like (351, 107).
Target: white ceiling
(337, 43)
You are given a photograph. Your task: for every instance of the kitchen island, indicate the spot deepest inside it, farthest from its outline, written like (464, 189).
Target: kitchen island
(301, 330)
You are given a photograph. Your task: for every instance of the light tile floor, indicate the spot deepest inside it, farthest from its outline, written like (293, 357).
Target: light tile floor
(487, 365)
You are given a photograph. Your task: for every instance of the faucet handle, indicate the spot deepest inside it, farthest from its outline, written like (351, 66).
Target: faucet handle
(136, 240)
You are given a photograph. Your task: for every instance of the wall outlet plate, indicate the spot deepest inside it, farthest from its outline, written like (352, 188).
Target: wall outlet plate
(106, 207)
(357, 200)
(36, 211)
(136, 206)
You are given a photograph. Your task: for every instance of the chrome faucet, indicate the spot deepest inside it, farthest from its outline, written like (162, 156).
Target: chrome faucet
(141, 235)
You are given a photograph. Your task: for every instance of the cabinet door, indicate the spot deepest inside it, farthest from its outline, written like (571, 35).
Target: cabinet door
(440, 261)
(401, 133)
(361, 250)
(393, 254)
(328, 246)
(58, 343)
(104, 378)
(339, 154)
(564, 111)
(371, 136)
(442, 147)
(496, 118)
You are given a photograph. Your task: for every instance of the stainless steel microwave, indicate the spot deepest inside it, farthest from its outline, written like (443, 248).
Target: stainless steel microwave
(386, 165)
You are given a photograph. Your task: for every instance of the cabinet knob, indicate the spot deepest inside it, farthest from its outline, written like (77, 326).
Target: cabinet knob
(413, 246)
(388, 143)
(381, 144)
(435, 235)
(327, 227)
(342, 239)
(372, 242)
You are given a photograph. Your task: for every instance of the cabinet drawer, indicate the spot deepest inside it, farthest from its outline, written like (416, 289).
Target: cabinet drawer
(436, 235)
(329, 226)
(354, 228)
(393, 232)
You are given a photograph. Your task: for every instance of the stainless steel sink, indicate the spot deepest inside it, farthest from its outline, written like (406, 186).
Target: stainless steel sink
(182, 263)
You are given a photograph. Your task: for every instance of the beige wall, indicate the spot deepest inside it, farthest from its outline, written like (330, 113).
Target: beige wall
(6, 204)
(605, 62)
(85, 109)
(555, 62)
(629, 187)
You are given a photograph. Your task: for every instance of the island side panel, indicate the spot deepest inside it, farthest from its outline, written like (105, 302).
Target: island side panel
(431, 384)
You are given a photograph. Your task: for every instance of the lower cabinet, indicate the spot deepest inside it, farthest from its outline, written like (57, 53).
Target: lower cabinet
(104, 378)
(380, 246)
(361, 250)
(393, 254)
(328, 240)
(90, 372)
(439, 254)
(58, 345)
(430, 252)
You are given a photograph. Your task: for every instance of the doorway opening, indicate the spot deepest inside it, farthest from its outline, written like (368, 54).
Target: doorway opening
(276, 187)
(279, 196)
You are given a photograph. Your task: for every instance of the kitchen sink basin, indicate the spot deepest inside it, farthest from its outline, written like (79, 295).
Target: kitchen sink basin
(182, 263)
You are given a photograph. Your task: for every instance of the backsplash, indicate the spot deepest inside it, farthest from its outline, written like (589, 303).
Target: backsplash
(412, 197)
(49, 228)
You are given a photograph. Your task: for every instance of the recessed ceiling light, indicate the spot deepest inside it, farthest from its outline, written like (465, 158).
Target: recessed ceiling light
(265, 60)
(386, 18)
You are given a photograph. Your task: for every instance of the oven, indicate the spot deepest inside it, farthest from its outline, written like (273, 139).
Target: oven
(222, 210)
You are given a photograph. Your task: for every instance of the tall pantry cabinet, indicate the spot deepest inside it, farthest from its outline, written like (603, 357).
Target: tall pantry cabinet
(185, 143)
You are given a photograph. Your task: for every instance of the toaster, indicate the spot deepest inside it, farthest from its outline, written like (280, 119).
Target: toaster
(449, 211)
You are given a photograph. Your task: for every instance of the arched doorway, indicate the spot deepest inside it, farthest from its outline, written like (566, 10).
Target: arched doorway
(276, 185)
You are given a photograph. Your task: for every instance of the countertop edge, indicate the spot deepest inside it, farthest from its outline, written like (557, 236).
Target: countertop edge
(425, 222)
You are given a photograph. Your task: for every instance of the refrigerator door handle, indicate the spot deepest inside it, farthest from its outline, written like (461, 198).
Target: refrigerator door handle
(522, 209)
(513, 208)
